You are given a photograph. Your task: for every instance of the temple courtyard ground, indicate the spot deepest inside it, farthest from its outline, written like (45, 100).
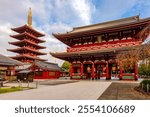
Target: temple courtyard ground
(76, 90)
(60, 90)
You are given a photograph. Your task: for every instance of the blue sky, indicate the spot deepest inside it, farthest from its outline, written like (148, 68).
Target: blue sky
(61, 15)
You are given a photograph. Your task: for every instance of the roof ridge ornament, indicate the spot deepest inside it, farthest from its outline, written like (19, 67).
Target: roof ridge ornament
(137, 17)
(30, 17)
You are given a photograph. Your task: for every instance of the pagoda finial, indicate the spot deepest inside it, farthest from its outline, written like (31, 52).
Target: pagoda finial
(30, 17)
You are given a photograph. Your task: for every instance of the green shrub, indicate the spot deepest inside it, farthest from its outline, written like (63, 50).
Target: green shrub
(144, 69)
(66, 66)
(145, 82)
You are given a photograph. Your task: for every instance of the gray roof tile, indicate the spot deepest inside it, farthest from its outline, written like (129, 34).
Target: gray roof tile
(47, 65)
(9, 61)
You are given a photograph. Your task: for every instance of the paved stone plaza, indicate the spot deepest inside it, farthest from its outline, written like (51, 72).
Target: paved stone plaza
(82, 90)
(123, 91)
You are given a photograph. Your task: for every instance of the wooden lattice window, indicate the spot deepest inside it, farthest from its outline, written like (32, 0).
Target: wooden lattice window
(39, 73)
(51, 73)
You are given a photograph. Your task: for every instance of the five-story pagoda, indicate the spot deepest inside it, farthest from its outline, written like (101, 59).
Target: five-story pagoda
(28, 42)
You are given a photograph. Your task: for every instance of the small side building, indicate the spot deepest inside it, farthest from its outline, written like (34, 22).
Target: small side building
(45, 70)
(7, 67)
(24, 73)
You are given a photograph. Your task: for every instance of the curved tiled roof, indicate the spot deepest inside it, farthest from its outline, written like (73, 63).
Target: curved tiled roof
(63, 55)
(27, 56)
(106, 24)
(106, 27)
(24, 35)
(17, 50)
(22, 43)
(47, 65)
(25, 27)
(9, 61)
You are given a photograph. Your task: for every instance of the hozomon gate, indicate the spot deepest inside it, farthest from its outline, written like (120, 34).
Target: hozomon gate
(92, 49)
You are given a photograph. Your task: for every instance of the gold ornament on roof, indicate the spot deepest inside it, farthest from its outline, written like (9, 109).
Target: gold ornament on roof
(30, 17)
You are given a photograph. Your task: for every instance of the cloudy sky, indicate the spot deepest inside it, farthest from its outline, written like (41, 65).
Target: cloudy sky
(61, 15)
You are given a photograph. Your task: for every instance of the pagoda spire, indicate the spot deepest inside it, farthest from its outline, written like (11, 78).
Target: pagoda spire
(30, 17)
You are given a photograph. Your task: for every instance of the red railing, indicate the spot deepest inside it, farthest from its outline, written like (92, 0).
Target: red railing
(103, 45)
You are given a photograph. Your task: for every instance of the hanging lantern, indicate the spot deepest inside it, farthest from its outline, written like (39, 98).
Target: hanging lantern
(114, 68)
(99, 39)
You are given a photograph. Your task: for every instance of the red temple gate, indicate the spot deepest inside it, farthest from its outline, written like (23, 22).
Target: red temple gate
(99, 44)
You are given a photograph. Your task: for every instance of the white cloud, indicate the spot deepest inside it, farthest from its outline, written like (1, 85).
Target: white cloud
(84, 10)
(41, 10)
(5, 29)
(56, 28)
(5, 38)
(73, 12)
(13, 12)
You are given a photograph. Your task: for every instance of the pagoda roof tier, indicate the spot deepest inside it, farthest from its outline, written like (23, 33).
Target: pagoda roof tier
(26, 35)
(20, 50)
(101, 53)
(22, 56)
(22, 43)
(101, 28)
(26, 28)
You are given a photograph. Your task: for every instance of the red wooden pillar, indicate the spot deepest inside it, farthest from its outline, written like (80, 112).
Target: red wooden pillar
(81, 71)
(136, 71)
(103, 69)
(93, 70)
(71, 70)
(107, 71)
(13, 70)
(5, 76)
(120, 75)
(47, 74)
